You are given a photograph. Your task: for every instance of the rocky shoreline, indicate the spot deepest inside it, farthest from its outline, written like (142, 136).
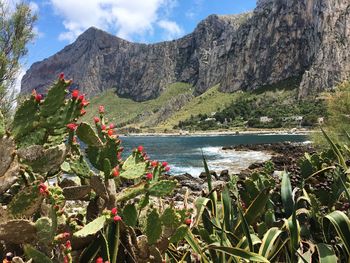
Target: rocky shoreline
(284, 156)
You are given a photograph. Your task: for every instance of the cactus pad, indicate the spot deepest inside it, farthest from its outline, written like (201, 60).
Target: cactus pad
(153, 227)
(131, 192)
(162, 188)
(26, 202)
(80, 167)
(170, 218)
(133, 168)
(129, 215)
(18, 231)
(87, 135)
(92, 228)
(44, 230)
(76, 192)
(41, 159)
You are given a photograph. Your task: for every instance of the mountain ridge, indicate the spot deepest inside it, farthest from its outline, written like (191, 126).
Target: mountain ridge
(278, 40)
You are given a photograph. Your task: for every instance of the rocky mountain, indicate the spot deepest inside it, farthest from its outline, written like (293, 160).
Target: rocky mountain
(278, 40)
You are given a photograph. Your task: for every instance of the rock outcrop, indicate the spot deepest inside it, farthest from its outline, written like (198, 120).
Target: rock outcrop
(278, 40)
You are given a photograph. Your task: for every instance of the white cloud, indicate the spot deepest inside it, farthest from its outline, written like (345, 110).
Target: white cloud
(172, 30)
(126, 18)
(34, 7)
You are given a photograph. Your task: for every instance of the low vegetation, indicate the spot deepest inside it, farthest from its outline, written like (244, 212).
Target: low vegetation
(273, 106)
(116, 210)
(277, 105)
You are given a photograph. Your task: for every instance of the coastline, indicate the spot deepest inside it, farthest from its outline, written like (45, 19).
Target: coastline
(223, 133)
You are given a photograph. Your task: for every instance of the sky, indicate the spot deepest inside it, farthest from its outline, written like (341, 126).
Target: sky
(147, 21)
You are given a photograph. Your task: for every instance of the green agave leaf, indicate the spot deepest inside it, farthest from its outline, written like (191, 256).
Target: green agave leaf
(192, 241)
(269, 242)
(92, 228)
(256, 208)
(336, 150)
(326, 253)
(89, 253)
(243, 244)
(200, 204)
(341, 223)
(227, 208)
(240, 253)
(286, 194)
(245, 228)
(293, 227)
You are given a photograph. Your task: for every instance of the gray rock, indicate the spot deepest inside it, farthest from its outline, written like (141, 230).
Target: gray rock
(279, 40)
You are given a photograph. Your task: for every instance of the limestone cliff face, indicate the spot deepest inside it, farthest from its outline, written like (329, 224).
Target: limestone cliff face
(279, 39)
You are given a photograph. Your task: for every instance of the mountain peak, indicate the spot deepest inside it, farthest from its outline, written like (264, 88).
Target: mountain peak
(275, 42)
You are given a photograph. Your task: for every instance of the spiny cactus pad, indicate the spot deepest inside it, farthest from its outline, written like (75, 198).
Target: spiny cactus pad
(153, 227)
(41, 159)
(131, 192)
(18, 231)
(109, 150)
(37, 123)
(26, 202)
(162, 188)
(170, 218)
(26, 122)
(76, 192)
(129, 215)
(87, 135)
(92, 228)
(44, 230)
(133, 168)
(80, 167)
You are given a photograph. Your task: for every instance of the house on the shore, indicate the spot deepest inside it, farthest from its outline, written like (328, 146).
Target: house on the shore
(265, 119)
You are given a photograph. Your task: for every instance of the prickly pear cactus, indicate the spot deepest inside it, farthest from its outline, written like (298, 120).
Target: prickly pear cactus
(18, 231)
(133, 168)
(9, 167)
(162, 188)
(92, 228)
(26, 202)
(44, 230)
(153, 227)
(41, 121)
(41, 159)
(87, 135)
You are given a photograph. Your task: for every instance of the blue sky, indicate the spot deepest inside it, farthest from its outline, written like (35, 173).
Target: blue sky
(61, 21)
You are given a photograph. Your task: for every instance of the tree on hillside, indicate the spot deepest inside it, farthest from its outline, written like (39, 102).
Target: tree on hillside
(16, 30)
(337, 124)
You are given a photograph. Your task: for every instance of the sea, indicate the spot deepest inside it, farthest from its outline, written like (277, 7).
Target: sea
(184, 153)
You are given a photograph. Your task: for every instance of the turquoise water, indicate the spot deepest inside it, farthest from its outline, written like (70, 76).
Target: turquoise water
(184, 153)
